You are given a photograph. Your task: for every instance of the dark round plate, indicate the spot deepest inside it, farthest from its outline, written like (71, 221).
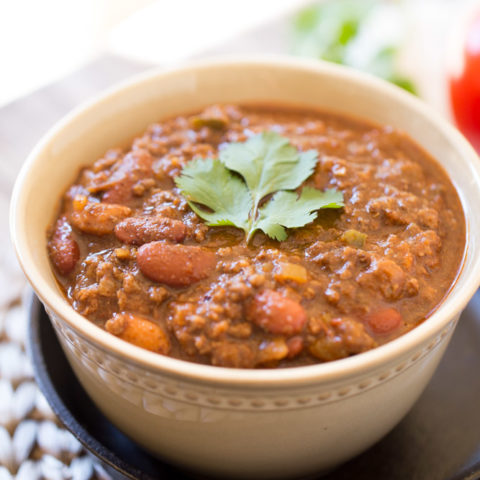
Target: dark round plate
(438, 440)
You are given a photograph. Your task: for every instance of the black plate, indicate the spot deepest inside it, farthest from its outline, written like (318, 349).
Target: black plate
(438, 440)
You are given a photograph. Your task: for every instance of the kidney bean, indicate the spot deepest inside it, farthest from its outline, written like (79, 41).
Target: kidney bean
(295, 346)
(140, 230)
(175, 265)
(117, 187)
(384, 321)
(99, 218)
(64, 250)
(121, 192)
(276, 313)
(139, 331)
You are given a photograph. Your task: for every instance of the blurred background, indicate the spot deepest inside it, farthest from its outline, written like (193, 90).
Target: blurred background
(42, 41)
(54, 54)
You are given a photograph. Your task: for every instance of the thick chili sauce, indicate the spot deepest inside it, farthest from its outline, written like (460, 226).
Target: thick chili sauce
(133, 257)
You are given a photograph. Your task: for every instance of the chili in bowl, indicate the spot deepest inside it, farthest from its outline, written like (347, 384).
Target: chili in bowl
(262, 281)
(222, 285)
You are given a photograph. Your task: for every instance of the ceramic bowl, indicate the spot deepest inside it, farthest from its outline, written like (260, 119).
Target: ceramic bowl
(227, 422)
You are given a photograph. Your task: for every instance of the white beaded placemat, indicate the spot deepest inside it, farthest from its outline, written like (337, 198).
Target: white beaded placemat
(33, 444)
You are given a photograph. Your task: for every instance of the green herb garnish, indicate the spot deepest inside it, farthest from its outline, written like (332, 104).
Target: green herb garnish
(335, 30)
(249, 187)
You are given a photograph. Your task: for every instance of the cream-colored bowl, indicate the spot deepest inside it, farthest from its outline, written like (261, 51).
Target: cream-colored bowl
(250, 423)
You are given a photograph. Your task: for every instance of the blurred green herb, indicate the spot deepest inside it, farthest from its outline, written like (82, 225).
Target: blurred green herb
(331, 29)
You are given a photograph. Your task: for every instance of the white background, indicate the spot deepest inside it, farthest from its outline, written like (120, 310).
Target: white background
(43, 40)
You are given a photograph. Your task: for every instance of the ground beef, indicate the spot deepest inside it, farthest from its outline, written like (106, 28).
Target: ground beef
(136, 260)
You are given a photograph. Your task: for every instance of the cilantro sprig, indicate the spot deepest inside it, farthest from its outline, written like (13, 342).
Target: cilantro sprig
(344, 31)
(250, 187)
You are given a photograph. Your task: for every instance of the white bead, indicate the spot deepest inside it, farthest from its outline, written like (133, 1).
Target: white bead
(29, 470)
(5, 474)
(6, 449)
(6, 402)
(52, 468)
(23, 440)
(16, 323)
(49, 438)
(43, 407)
(81, 468)
(24, 400)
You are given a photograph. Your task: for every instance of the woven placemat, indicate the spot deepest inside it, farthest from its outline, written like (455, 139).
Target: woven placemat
(33, 444)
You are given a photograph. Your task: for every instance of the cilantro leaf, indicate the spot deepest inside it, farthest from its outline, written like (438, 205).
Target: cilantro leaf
(268, 163)
(265, 164)
(287, 209)
(209, 183)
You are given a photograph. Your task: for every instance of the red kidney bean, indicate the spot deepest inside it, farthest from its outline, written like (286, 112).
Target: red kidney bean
(64, 250)
(135, 166)
(384, 321)
(140, 230)
(276, 313)
(295, 346)
(175, 265)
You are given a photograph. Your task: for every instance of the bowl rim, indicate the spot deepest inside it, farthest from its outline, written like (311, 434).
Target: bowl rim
(230, 377)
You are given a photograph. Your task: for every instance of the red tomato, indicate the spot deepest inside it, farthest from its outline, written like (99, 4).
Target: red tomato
(464, 84)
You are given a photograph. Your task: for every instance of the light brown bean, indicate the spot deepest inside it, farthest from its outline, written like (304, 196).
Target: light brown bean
(276, 314)
(384, 321)
(139, 331)
(175, 265)
(99, 218)
(140, 230)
